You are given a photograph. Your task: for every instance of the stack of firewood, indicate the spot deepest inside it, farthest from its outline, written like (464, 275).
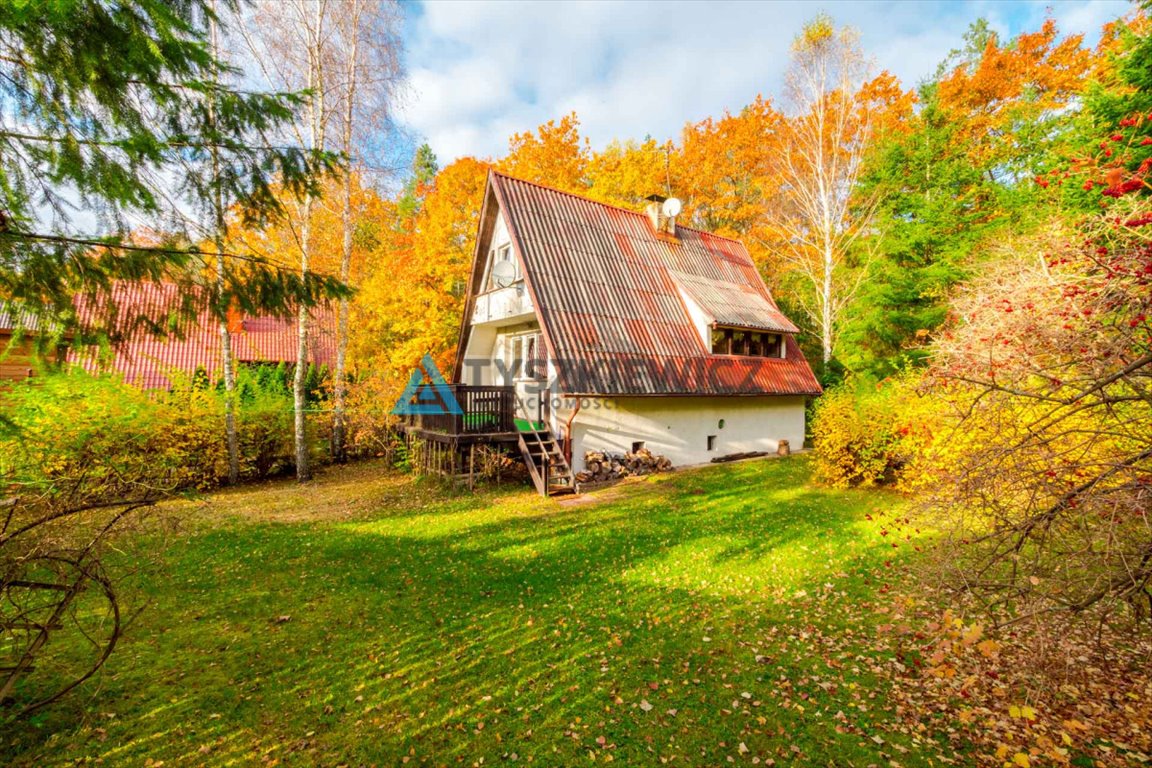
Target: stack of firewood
(600, 467)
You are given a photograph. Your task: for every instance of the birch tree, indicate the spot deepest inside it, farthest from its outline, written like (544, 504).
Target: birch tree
(822, 155)
(369, 51)
(287, 41)
(344, 54)
(313, 28)
(227, 361)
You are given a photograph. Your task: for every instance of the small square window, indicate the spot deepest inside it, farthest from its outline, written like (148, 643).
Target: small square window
(740, 342)
(774, 346)
(637, 446)
(721, 341)
(711, 442)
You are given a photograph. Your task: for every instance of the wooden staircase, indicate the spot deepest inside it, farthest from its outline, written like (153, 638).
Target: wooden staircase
(546, 463)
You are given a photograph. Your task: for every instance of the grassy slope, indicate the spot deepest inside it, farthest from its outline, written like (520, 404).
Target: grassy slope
(701, 615)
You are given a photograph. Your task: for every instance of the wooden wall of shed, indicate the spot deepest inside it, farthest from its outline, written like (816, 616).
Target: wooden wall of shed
(17, 360)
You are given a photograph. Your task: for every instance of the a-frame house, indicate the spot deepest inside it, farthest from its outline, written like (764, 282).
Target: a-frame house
(614, 330)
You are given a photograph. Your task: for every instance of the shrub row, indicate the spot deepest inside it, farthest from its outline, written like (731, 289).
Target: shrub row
(63, 430)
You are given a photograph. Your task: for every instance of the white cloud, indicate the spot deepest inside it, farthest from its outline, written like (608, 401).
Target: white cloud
(483, 70)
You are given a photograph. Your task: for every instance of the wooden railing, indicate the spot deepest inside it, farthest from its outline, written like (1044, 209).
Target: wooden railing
(484, 410)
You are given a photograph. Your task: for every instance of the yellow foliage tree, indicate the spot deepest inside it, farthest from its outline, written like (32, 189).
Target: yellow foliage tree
(411, 302)
(624, 173)
(554, 155)
(729, 174)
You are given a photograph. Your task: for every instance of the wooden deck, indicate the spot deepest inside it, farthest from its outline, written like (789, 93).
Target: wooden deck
(488, 415)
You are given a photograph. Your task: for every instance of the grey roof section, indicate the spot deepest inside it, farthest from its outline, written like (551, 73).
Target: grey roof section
(736, 304)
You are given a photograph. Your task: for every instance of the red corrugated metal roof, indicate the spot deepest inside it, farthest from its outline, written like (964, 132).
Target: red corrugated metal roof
(149, 362)
(604, 284)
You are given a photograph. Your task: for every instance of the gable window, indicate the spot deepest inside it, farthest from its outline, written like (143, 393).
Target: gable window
(746, 343)
(502, 269)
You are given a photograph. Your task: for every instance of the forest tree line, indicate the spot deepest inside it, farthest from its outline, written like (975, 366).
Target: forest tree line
(930, 177)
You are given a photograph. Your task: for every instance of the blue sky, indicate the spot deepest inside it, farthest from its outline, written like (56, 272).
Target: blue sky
(480, 71)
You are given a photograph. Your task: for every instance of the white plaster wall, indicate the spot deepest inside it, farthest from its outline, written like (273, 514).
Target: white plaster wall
(499, 232)
(482, 346)
(701, 319)
(678, 427)
(484, 340)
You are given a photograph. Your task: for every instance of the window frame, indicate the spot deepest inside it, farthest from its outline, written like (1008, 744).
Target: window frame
(529, 345)
(736, 341)
(494, 255)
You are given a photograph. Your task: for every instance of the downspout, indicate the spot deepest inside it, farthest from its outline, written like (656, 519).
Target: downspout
(568, 431)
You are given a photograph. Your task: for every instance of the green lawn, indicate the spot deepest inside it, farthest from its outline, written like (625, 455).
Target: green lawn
(695, 617)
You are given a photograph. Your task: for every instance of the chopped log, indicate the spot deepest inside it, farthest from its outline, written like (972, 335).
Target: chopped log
(601, 467)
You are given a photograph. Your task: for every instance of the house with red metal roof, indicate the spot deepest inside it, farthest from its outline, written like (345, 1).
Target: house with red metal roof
(619, 330)
(153, 362)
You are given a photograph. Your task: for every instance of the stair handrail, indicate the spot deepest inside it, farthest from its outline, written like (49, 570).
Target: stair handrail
(540, 443)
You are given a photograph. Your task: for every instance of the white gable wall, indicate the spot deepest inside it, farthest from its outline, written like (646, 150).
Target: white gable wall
(500, 237)
(493, 313)
(700, 319)
(678, 427)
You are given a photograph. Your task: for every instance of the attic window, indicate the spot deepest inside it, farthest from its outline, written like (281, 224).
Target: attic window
(503, 269)
(746, 343)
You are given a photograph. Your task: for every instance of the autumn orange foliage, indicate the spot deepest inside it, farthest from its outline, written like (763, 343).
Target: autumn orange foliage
(413, 252)
(554, 155)
(1012, 85)
(410, 305)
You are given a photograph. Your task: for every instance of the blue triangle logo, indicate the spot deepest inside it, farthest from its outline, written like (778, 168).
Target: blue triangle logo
(427, 398)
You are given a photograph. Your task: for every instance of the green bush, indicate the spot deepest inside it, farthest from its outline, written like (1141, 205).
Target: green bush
(64, 431)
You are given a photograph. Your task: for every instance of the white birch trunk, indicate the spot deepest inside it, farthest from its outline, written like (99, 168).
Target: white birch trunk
(300, 379)
(227, 363)
(316, 118)
(339, 385)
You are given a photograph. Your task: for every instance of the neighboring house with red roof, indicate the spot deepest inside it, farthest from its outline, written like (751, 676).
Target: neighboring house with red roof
(621, 329)
(153, 362)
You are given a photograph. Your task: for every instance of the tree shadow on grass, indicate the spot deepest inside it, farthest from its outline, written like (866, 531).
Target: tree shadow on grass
(529, 628)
